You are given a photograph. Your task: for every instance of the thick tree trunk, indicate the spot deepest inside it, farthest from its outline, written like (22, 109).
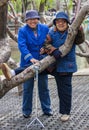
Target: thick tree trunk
(57, 5)
(4, 46)
(3, 21)
(29, 72)
(5, 51)
(41, 11)
(3, 2)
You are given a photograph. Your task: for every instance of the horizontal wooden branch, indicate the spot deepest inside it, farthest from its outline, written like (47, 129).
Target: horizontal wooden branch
(29, 72)
(6, 85)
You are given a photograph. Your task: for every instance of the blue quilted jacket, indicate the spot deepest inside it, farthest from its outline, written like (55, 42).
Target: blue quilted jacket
(68, 62)
(29, 45)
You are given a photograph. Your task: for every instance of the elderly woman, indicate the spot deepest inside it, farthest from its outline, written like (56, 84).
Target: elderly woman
(31, 38)
(65, 66)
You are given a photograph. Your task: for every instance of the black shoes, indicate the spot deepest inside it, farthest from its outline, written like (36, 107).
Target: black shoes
(45, 114)
(48, 114)
(26, 116)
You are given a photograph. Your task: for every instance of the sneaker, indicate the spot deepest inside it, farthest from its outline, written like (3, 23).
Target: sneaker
(6, 71)
(64, 117)
(48, 114)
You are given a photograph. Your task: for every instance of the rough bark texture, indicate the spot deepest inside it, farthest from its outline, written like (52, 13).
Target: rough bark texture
(29, 72)
(41, 11)
(5, 51)
(4, 46)
(14, 37)
(3, 2)
(5, 85)
(73, 29)
(84, 52)
(3, 21)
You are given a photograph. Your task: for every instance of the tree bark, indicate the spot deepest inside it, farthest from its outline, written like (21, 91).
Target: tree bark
(73, 29)
(41, 11)
(3, 2)
(44, 63)
(5, 51)
(84, 53)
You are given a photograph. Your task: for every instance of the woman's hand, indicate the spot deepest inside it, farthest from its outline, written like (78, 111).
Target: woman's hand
(34, 61)
(42, 50)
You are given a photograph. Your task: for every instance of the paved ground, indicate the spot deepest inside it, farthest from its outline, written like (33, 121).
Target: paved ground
(11, 117)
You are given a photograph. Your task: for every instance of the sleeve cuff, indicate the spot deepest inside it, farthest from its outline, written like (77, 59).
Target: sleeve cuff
(28, 57)
(56, 53)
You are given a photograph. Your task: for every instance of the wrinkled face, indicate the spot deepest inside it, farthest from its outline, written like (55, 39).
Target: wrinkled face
(32, 22)
(61, 24)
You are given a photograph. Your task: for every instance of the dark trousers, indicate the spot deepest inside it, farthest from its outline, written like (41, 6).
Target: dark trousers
(50, 70)
(43, 92)
(20, 69)
(64, 87)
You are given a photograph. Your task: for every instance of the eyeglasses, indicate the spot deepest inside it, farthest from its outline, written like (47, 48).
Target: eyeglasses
(61, 21)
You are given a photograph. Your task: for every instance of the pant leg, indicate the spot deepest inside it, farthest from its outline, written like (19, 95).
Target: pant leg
(20, 69)
(44, 93)
(64, 87)
(27, 96)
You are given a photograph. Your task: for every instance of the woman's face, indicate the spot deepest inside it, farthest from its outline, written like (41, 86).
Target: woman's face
(61, 24)
(32, 23)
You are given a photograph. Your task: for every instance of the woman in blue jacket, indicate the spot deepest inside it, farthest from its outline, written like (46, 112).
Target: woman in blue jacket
(31, 38)
(65, 66)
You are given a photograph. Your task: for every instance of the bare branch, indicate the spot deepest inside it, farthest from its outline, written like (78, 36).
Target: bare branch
(87, 42)
(81, 48)
(83, 54)
(14, 18)
(66, 7)
(78, 3)
(14, 37)
(12, 9)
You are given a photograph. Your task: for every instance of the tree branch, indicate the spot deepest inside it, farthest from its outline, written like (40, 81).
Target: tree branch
(5, 51)
(83, 54)
(73, 29)
(14, 37)
(44, 63)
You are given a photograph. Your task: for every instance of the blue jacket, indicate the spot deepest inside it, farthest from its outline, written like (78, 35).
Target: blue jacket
(29, 45)
(68, 62)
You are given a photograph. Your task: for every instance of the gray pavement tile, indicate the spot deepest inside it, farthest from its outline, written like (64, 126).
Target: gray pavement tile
(11, 117)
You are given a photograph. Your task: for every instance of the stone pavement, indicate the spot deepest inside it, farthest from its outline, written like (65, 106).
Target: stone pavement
(11, 117)
(82, 72)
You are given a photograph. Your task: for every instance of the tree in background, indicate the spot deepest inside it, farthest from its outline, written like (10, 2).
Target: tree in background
(4, 47)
